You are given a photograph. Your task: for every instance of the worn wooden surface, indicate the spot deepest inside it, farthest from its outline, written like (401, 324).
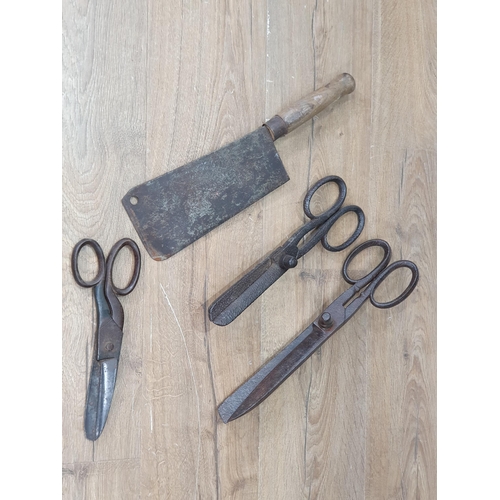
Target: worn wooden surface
(149, 86)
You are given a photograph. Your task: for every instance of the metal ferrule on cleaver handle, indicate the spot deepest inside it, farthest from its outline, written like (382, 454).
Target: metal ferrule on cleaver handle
(175, 209)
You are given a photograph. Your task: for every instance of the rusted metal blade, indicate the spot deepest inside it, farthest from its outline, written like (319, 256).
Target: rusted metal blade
(108, 341)
(99, 395)
(246, 290)
(173, 210)
(270, 376)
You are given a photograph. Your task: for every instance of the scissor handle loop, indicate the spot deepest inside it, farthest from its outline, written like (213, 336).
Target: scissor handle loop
(101, 269)
(377, 275)
(331, 222)
(115, 249)
(374, 272)
(338, 203)
(383, 275)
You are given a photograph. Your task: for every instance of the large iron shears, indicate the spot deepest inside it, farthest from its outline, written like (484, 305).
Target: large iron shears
(336, 315)
(109, 333)
(254, 283)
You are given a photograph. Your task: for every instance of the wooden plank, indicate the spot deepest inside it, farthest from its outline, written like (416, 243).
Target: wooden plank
(317, 415)
(289, 76)
(150, 86)
(103, 136)
(401, 363)
(205, 89)
(113, 479)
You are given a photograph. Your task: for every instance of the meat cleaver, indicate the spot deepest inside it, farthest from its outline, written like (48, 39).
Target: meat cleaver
(175, 209)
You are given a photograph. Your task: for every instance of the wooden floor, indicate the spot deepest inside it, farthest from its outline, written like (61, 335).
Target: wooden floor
(150, 85)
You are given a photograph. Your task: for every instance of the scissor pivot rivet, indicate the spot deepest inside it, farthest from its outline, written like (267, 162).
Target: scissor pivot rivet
(288, 261)
(326, 320)
(109, 346)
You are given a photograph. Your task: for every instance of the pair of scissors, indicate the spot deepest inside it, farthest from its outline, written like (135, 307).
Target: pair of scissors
(271, 375)
(109, 333)
(245, 291)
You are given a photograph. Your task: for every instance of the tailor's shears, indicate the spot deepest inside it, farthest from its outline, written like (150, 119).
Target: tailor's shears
(280, 367)
(109, 333)
(245, 291)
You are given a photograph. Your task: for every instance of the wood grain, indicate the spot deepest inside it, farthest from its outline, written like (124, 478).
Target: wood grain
(149, 86)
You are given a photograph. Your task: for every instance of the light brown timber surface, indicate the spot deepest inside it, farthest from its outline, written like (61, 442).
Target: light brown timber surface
(149, 86)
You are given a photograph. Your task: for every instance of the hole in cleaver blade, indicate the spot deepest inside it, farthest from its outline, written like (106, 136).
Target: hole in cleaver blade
(172, 211)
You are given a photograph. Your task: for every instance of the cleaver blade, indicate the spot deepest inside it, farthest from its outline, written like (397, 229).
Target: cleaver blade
(181, 206)
(175, 209)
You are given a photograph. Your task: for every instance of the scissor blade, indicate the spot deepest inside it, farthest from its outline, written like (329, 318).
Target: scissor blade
(245, 291)
(273, 373)
(99, 395)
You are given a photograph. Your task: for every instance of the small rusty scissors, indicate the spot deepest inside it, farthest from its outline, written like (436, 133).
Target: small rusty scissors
(271, 375)
(109, 333)
(245, 291)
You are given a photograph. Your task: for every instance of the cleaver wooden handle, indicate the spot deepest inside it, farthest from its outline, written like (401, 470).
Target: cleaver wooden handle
(304, 109)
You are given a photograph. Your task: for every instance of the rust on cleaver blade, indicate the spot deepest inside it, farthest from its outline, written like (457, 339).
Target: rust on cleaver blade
(175, 209)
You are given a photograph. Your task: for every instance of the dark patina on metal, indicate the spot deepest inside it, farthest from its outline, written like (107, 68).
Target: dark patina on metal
(172, 211)
(254, 283)
(271, 375)
(175, 209)
(109, 333)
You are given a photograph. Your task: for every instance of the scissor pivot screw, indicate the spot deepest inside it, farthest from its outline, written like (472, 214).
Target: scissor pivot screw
(109, 346)
(288, 261)
(326, 320)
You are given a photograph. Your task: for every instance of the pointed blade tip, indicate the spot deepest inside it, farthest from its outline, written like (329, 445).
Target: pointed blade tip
(92, 436)
(219, 322)
(227, 411)
(228, 414)
(217, 319)
(92, 430)
(225, 418)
